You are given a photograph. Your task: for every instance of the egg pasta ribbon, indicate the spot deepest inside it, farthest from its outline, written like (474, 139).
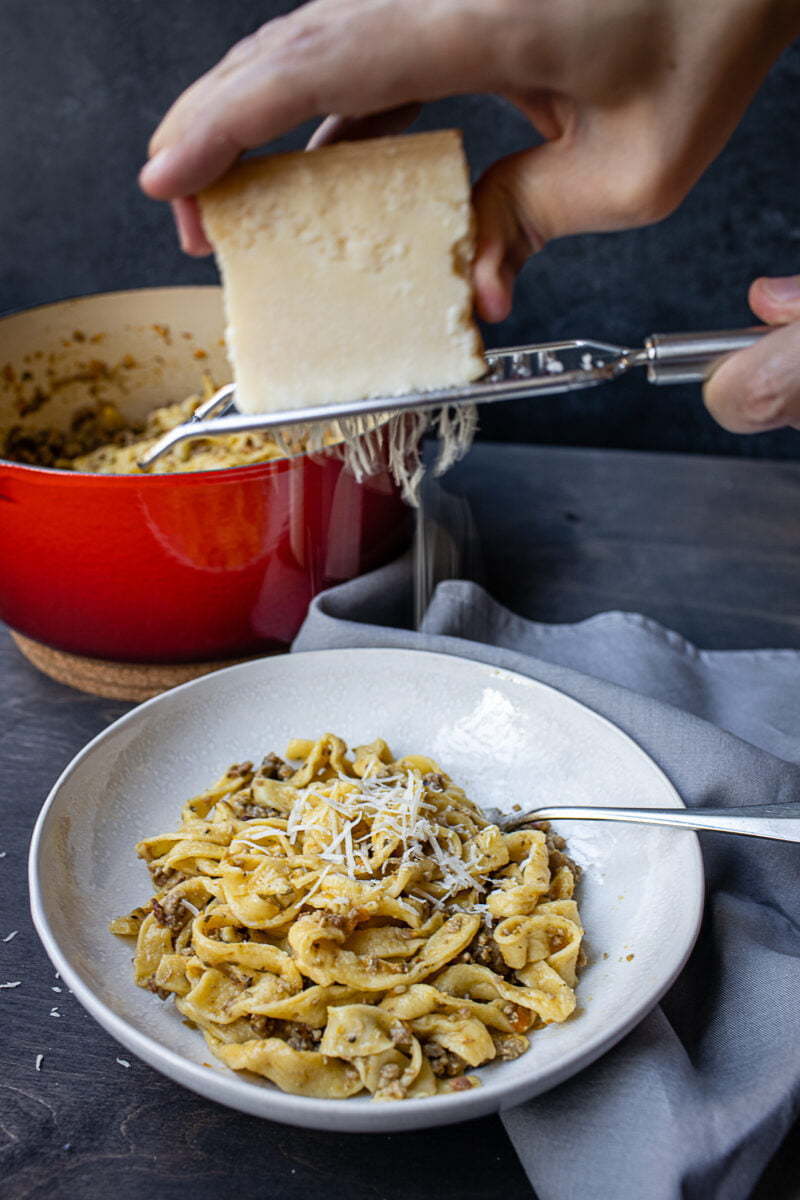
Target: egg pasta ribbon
(338, 922)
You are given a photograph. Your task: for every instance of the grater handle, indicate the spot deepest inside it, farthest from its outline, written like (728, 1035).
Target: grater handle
(690, 357)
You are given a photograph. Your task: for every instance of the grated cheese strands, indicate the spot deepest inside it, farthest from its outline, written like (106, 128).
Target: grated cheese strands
(315, 888)
(392, 807)
(237, 842)
(370, 445)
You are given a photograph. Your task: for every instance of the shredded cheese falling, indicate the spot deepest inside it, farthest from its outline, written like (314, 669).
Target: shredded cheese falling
(370, 445)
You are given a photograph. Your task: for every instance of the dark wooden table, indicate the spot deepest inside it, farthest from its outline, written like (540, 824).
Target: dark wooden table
(709, 547)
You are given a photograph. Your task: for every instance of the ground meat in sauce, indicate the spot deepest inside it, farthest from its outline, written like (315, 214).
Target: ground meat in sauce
(153, 987)
(301, 1037)
(484, 952)
(434, 782)
(247, 810)
(557, 859)
(172, 913)
(510, 1046)
(444, 1063)
(401, 1037)
(42, 448)
(555, 847)
(294, 1033)
(389, 1085)
(264, 1027)
(165, 877)
(273, 767)
(90, 428)
(237, 974)
(239, 770)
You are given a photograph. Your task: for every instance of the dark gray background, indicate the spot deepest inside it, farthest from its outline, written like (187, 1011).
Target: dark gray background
(83, 83)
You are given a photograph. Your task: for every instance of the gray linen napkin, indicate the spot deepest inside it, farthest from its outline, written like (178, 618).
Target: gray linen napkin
(696, 1100)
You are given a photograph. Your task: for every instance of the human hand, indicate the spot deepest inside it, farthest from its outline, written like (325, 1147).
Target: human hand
(759, 388)
(634, 97)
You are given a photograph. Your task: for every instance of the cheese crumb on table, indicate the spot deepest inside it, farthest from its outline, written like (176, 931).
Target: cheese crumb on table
(346, 271)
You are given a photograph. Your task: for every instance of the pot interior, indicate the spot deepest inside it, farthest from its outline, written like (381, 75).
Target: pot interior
(139, 349)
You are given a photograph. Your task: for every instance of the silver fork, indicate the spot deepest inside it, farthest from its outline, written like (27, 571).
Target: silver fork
(780, 822)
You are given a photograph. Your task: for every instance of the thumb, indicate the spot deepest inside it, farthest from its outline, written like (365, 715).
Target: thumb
(759, 388)
(776, 301)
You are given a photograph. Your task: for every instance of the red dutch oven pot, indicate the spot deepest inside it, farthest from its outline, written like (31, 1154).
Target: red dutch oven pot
(179, 568)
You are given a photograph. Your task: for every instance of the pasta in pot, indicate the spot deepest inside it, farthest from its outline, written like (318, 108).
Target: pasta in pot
(353, 922)
(101, 441)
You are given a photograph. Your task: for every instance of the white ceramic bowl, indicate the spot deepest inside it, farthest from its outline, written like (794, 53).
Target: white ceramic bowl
(505, 738)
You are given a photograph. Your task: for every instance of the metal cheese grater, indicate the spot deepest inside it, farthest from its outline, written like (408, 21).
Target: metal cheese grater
(518, 373)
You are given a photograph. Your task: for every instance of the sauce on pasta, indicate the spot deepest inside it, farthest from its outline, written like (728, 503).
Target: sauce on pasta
(346, 922)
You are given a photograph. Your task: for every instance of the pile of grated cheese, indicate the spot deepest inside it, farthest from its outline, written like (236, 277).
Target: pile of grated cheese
(348, 821)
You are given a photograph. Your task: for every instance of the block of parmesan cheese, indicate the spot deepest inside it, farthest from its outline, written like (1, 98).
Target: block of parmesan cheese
(346, 271)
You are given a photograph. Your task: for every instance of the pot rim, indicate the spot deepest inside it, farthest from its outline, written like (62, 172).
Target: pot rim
(134, 291)
(163, 477)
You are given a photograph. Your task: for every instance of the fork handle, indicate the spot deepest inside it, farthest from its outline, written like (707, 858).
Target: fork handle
(780, 822)
(690, 357)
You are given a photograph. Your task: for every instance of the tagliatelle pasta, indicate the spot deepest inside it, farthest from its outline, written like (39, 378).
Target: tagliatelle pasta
(353, 922)
(102, 441)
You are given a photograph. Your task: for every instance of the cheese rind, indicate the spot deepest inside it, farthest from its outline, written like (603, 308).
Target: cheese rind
(346, 271)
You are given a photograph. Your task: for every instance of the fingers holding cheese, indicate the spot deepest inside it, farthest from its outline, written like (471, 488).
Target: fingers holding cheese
(348, 57)
(347, 129)
(633, 97)
(189, 224)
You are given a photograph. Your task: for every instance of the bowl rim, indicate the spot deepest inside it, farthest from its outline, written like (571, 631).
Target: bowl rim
(317, 1113)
